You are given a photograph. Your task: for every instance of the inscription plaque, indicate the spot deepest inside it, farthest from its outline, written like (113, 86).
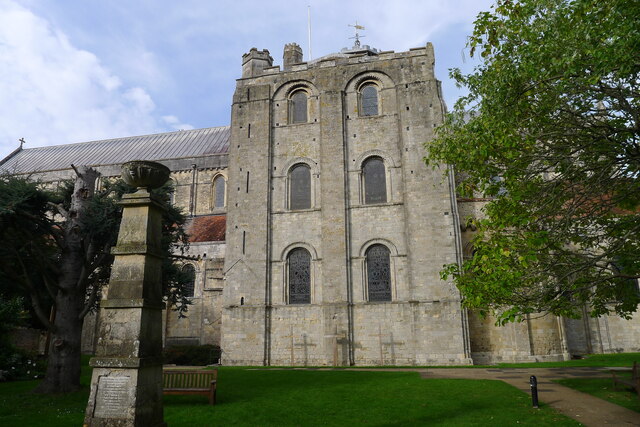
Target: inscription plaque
(112, 397)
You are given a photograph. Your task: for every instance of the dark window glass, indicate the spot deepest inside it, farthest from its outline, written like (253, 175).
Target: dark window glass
(299, 276)
(369, 101)
(378, 273)
(218, 192)
(375, 182)
(190, 279)
(630, 284)
(172, 193)
(300, 187)
(299, 107)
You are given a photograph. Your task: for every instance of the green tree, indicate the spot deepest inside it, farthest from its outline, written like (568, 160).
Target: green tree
(56, 252)
(549, 132)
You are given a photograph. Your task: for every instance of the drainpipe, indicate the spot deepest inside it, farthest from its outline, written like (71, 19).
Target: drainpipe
(192, 198)
(347, 236)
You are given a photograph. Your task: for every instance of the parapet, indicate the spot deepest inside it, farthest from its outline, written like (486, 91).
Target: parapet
(255, 61)
(292, 55)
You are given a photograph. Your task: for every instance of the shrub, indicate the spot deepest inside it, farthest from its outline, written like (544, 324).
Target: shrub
(194, 355)
(20, 365)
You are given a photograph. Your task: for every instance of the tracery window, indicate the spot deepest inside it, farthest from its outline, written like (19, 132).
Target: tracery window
(190, 279)
(375, 181)
(219, 187)
(300, 187)
(298, 107)
(378, 273)
(369, 100)
(299, 277)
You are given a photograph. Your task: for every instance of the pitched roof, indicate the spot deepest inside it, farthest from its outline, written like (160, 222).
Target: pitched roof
(161, 146)
(209, 228)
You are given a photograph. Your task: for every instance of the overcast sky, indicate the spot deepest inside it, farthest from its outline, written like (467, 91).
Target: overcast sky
(81, 70)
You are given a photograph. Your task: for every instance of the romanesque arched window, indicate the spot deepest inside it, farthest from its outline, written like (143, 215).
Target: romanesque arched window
(369, 100)
(378, 273)
(298, 107)
(299, 276)
(189, 272)
(300, 187)
(172, 187)
(219, 192)
(375, 181)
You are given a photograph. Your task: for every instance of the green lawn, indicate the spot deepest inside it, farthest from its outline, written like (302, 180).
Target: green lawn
(592, 360)
(259, 397)
(603, 389)
(285, 397)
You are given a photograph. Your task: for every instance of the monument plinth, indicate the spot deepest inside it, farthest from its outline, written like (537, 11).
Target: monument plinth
(126, 385)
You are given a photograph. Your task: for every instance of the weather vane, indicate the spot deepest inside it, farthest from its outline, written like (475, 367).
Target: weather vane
(357, 36)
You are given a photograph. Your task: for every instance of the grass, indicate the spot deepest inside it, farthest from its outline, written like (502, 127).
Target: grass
(592, 360)
(603, 389)
(285, 397)
(589, 360)
(259, 397)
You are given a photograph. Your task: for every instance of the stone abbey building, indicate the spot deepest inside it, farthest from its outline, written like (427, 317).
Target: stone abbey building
(318, 233)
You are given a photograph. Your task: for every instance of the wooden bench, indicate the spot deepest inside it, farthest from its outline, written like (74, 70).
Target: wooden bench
(190, 381)
(633, 382)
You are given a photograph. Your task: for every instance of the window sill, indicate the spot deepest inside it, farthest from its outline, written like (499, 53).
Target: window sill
(370, 117)
(296, 211)
(376, 205)
(283, 125)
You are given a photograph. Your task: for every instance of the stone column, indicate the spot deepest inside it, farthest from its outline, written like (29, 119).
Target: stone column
(126, 385)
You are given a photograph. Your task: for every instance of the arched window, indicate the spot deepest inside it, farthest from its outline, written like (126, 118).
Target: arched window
(369, 100)
(298, 107)
(190, 279)
(219, 186)
(375, 181)
(299, 276)
(172, 192)
(300, 187)
(378, 273)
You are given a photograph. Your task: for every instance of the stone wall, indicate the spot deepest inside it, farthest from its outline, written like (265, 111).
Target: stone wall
(424, 322)
(608, 334)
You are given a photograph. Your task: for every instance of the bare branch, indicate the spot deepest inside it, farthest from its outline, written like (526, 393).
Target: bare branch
(91, 301)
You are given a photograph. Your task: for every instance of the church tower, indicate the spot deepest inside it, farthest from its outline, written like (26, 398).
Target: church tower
(336, 229)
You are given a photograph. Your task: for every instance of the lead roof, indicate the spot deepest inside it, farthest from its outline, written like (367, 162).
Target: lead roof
(161, 146)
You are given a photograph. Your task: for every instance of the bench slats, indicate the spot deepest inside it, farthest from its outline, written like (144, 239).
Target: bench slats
(181, 381)
(633, 382)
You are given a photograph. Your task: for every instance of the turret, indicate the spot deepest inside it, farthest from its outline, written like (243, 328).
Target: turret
(292, 55)
(255, 61)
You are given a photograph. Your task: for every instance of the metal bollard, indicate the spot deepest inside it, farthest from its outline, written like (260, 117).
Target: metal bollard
(534, 391)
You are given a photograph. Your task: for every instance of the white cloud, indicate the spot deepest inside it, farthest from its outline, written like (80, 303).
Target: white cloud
(55, 93)
(77, 71)
(175, 123)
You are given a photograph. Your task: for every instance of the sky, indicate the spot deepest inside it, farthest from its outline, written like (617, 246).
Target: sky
(83, 70)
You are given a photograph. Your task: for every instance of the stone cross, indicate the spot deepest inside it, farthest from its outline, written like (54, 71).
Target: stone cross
(334, 338)
(126, 385)
(290, 336)
(305, 348)
(380, 335)
(393, 344)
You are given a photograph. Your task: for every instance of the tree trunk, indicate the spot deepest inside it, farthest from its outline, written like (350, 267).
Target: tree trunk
(63, 362)
(63, 365)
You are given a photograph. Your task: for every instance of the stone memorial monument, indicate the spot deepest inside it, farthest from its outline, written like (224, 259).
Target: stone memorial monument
(126, 386)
